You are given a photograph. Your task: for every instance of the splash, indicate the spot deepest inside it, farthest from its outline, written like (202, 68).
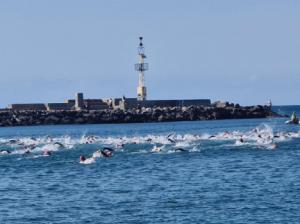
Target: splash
(263, 136)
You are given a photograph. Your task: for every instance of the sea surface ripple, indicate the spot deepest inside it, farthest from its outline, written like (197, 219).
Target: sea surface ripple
(214, 179)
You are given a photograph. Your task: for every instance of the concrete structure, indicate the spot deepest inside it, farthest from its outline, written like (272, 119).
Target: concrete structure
(79, 104)
(130, 103)
(117, 103)
(141, 68)
(30, 106)
(112, 103)
(59, 106)
(73, 104)
(95, 104)
(72, 101)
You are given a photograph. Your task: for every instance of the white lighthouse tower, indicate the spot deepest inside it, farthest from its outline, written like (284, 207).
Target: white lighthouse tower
(141, 68)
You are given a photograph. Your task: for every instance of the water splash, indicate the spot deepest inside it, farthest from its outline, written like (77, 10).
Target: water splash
(263, 136)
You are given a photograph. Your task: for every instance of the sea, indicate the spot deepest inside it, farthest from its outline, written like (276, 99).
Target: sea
(224, 171)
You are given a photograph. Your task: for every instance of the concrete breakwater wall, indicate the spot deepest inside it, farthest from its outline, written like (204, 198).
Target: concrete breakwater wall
(192, 113)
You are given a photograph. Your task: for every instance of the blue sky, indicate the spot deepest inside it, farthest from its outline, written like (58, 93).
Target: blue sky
(242, 51)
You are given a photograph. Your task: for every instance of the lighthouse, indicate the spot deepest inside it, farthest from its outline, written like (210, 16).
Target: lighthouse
(141, 67)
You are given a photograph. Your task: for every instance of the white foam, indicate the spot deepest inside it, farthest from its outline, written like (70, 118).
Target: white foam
(262, 136)
(88, 161)
(97, 154)
(156, 149)
(182, 144)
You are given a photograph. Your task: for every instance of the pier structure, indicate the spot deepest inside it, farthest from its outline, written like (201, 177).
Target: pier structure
(124, 103)
(141, 67)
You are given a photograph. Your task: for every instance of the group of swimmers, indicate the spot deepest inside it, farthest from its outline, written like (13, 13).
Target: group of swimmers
(108, 152)
(262, 139)
(261, 136)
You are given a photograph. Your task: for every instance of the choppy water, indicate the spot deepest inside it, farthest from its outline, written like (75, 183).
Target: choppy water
(215, 178)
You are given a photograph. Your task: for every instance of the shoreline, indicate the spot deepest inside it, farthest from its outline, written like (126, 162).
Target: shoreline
(10, 118)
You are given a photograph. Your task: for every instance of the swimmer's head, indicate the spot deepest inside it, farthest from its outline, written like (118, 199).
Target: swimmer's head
(46, 153)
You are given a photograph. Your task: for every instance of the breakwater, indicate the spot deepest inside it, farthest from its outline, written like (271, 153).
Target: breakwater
(142, 115)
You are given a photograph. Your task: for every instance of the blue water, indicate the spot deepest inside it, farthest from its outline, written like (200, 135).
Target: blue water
(286, 110)
(213, 181)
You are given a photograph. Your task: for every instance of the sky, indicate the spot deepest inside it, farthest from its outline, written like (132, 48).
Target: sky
(244, 52)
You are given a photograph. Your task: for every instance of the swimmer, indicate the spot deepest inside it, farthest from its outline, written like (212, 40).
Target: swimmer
(82, 158)
(169, 135)
(12, 141)
(226, 134)
(46, 153)
(31, 147)
(107, 152)
(239, 141)
(273, 146)
(26, 152)
(156, 149)
(90, 139)
(4, 151)
(180, 150)
(120, 146)
(171, 140)
(149, 140)
(59, 144)
(49, 138)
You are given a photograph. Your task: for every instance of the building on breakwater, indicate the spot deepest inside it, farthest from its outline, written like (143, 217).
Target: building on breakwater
(79, 103)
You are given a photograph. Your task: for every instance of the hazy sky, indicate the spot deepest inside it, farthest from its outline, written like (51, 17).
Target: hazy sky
(242, 51)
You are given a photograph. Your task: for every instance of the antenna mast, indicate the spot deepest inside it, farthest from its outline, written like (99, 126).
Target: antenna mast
(141, 68)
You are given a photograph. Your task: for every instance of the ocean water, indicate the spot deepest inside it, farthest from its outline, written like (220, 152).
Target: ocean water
(183, 172)
(286, 110)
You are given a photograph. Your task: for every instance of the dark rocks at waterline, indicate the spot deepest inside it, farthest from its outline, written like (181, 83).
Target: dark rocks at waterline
(193, 113)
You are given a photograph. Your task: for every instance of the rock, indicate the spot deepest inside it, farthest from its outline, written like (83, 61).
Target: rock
(161, 118)
(52, 119)
(79, 120)
(219, 110)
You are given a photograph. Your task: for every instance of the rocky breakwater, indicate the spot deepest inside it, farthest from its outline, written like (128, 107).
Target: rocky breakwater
(157, 114)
